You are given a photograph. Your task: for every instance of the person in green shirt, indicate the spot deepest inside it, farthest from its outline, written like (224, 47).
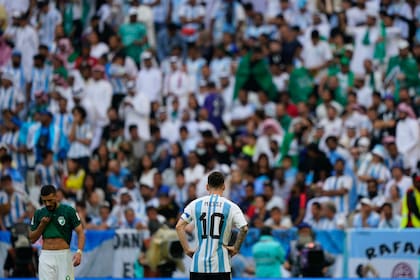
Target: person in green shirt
(403, 69)
(269, 255)
(55, 223)
(133, 36)
(301, 85)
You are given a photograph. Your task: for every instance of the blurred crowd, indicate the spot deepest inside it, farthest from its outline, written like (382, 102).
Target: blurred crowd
(310, 108)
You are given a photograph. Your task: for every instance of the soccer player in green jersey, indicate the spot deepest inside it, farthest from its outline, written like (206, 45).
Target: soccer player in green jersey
(55, 223)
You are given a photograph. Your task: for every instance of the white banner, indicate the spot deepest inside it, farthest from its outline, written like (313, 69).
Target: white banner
(127, 247)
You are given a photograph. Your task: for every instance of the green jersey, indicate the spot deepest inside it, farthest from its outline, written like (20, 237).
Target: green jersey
(63, 220)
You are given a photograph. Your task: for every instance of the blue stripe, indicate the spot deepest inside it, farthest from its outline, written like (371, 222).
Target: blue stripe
(208, 229)
(226, 209)
(199, 233)
(210, 233)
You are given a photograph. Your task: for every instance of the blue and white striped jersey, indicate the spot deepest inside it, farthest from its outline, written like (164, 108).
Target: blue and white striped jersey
(214, 217)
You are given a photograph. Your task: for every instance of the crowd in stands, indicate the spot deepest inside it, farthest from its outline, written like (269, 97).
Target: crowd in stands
(311, 109)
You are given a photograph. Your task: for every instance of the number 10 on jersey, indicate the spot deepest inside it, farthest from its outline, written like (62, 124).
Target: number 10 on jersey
(216, 224)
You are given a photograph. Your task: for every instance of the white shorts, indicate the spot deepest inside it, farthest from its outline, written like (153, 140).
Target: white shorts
(56, 265)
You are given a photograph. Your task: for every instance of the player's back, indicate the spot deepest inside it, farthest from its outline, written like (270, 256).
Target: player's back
(214, 216)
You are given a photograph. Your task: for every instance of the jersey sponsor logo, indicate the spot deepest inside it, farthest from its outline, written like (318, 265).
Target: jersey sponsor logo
(61, 221)
(77, 215)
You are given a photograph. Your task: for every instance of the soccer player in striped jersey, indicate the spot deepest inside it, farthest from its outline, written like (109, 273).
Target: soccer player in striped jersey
(214, 217)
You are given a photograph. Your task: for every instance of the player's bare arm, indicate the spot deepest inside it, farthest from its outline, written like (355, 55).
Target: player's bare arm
(233, 250)
(36, 234)
(180, 230)
(77, 258)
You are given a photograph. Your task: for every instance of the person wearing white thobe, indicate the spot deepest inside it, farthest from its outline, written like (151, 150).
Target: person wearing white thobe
(149, 82)
(177, 84)
(99, 95)
(408, 140)
(135, 110)
(27, 36)
(364, 45)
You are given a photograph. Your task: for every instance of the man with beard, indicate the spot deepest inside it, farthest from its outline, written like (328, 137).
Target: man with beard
(55, 223)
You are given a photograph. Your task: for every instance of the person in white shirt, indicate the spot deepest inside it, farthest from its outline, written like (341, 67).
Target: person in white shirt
(149, 79)
(388, 218)
(226, 89)
(331, 220)
(195, 171)
(399, 180)
(403, 14)
(99, 95)
(316, 55)
(135, 110)
(357, 15)
(408, 135)
(365, 39)
(177, 84)
(26, 36)
(277, 219)
(169, 128)
(333, 125)
(364, 92)
(241, 111)
(97, 48)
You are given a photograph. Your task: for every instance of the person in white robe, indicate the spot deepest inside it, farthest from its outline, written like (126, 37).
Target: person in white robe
(408, 135)
(135, 110)
(149, 79)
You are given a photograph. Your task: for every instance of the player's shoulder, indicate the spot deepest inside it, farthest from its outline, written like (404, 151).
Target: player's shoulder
(67, 208)
(41, 211)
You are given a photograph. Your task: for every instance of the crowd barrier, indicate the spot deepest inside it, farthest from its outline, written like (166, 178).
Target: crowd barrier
(358, 253)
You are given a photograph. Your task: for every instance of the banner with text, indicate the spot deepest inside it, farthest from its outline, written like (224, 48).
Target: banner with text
(384, 254)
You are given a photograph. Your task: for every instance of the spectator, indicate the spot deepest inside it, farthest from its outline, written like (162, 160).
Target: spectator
(388, 219)
(277, 219)
(367, 217)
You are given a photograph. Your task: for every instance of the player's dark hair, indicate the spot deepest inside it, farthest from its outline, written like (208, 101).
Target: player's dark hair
(265, 231)
(216, 180)
(47, 190)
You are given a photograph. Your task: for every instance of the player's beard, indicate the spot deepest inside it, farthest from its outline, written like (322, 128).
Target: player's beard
(52, 207)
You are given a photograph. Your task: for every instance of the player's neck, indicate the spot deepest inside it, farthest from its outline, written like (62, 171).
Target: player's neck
(216, 192)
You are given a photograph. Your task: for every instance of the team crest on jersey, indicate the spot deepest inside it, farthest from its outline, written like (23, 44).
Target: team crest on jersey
(61, 221)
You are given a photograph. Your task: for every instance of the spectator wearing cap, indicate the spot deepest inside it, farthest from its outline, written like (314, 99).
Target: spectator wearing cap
(13, 204)
(401, 181)
(373, 169)
(410, 213)
(388, 219)
(402, 69)
(133, 36)
(135, 110)
(365, 38)
(367, 217)
(149, 79)
(407, 135)
(99, 94)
